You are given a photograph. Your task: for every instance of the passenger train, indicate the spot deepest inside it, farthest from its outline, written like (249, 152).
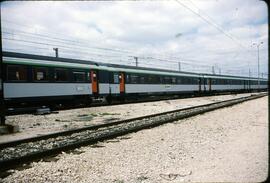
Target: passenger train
(41, 80)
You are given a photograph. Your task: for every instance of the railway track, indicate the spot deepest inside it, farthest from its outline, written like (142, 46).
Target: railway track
(26, 150)
(31, 110)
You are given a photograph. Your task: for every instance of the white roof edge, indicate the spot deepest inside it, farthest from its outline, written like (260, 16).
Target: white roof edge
(56, 63)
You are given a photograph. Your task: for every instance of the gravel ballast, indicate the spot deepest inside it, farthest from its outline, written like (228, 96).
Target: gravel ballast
(97, 134)
(227, 145)
(35, 125)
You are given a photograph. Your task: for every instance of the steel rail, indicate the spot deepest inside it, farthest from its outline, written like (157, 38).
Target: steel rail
(95, 127)
(30, 110)
(113, 131)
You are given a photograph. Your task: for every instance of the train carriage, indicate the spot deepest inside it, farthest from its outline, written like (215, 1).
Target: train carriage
(42, 80)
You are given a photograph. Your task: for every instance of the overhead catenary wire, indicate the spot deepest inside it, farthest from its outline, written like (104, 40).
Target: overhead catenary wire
(154, 64)
(220, 29)
(40, 43)
(80, 43)
(63, 47)
(63, 41)
(43, 37)
(57, 36)
(85, 46)
(210, 21)
(88, 50)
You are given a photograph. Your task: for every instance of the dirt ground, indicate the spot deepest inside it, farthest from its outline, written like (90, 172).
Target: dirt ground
(34, 125)
(226, 145)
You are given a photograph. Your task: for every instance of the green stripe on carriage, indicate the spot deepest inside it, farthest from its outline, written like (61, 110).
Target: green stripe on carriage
(36, 62)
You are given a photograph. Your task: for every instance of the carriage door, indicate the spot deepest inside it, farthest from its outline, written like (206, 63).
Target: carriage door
(210, 84)
(94, 80)
(200, 84)
(122, 82)
(204, 84)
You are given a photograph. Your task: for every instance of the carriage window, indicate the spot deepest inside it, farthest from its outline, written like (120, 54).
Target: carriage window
(61, 75)
(40, 74)
(160, 79)
(115, 78)
(88, 78)
(178, 80)
(173, 80)
(142, 80)
(78, 76)
(151, 79)
(127, 78)
(167, 80)
(103, 76)
(156, 80)
(191, 81)
(134, 79)
(16, 73)
(184, 80)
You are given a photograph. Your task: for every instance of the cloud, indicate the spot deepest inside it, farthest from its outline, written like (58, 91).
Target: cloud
(146, 28)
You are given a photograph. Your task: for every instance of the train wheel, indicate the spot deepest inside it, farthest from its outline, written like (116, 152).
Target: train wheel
(109, 100)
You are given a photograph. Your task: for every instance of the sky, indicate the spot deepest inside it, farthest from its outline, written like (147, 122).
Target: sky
(203, 35)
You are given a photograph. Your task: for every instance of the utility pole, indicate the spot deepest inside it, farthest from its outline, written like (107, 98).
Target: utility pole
(249, 75)
(219, 71)
(213, 69)
(2, 102)
(136, 60)
(179, 66)
(56, 52)
(258, 48)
